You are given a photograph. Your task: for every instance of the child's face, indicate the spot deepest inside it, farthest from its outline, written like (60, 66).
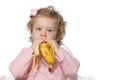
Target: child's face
(44, 28)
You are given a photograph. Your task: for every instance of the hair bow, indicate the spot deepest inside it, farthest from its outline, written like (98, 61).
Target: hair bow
(34, 12)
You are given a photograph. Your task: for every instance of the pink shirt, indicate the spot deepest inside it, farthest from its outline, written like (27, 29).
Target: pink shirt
(65, 66)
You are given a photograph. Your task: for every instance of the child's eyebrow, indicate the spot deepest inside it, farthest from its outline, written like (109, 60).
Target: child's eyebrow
(52, 27)
(37, 25)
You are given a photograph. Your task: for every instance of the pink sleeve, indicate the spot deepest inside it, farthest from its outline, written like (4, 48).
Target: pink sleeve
(20, 64)
(69, 64)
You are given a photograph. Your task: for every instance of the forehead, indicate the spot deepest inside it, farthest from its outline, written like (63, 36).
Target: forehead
(43, 20)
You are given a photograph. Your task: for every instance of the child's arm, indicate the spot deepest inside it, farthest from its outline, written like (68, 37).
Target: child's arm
(68, 63)
(21, 63)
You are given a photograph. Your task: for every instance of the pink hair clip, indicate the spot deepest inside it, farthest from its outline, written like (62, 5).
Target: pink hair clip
(34, 12)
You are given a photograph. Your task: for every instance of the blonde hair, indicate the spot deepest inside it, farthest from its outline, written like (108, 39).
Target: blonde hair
(52, 13)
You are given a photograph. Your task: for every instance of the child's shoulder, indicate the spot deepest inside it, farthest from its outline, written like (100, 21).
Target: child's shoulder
(25, 49)
(64, 48)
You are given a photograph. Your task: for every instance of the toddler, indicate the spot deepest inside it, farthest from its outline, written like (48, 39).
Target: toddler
(45, 25)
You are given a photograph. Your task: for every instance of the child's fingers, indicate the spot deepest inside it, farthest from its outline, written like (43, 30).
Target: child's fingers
(54, 45)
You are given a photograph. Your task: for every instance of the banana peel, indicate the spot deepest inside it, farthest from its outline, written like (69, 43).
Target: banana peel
(36, 58)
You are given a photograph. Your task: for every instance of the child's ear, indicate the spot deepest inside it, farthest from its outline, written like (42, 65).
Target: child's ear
(57, 38)
(31, 39)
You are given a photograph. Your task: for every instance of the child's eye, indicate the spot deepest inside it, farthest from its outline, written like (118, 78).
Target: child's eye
(50, 30)
(39, 29)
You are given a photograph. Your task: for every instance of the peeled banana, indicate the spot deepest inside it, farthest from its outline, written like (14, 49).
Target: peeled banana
(44, 50)
(48, 54)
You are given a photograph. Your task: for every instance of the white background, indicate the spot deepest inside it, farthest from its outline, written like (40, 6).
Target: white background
(93, 33)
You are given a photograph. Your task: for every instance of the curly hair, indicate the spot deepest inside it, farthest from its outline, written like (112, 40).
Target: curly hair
(52, 13)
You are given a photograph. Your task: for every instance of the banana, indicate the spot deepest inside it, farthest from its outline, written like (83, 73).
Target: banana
(45, 50)
(48, 54)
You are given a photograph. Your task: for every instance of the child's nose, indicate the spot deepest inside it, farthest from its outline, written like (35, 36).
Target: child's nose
(43, 34)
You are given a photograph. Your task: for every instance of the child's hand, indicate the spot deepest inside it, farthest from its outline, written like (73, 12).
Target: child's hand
(54, 45)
